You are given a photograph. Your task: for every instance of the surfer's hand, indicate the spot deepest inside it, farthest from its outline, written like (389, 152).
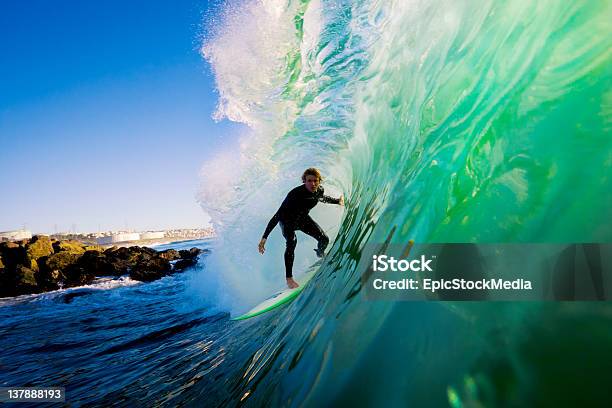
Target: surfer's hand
(291, 283)
(341, 202)
(262, 246)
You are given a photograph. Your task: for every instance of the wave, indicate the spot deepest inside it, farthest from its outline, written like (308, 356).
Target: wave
(440, 121)
(453, 122)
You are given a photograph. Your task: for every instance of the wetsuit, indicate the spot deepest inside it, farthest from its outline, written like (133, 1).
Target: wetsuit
(293, 216)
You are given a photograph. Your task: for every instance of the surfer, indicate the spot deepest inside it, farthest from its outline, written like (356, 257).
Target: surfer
(293, 216)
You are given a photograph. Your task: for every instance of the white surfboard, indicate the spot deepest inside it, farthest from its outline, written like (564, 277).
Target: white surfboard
(278, 299)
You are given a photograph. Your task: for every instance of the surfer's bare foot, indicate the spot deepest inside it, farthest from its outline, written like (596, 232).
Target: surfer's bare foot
(291, 283)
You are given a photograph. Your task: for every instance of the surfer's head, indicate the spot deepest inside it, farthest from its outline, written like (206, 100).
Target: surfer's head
(312, 179)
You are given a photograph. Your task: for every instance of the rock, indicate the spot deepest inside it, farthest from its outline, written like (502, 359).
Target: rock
(39, 246)
(8, 245)
(74, 247)
(120, 267)
(25, 281)
(119, 253)
(170, 254)
(147, 270)
(22, 253)
(94, 248)
(147, 250)
(189, 258)
(53, 270)
(109, 251)
(189, 254)
(13, 254)
(6, 283)
(76, 275)
(32, 264)
(48, 279)
(41, 264)
(99, 264)
(138, 254)
(60, 261)
(185, 263)
(132, 254)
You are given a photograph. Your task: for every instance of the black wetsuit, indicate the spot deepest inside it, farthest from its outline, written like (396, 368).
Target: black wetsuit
(293, 216)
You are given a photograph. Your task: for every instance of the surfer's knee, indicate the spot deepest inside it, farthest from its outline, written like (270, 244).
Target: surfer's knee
(291, 242)
(323, 240)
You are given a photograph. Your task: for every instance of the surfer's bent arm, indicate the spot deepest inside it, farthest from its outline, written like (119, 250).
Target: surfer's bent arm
(331, 200)
(273, 221)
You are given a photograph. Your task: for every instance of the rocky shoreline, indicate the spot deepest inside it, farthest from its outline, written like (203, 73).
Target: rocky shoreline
(42, 264)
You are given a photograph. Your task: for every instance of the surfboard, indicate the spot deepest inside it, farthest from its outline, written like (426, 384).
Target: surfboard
(279, 298)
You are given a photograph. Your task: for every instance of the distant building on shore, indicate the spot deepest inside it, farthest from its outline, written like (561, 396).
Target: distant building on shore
(15, 235)
(152, 235)
(145, 237)
(120, 237)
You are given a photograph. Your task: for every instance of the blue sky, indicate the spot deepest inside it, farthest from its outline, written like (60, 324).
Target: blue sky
(105, 114)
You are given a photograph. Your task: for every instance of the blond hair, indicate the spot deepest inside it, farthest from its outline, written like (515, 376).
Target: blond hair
(312, 171)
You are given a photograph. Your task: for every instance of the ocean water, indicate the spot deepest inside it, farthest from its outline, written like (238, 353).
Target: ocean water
(440, 121)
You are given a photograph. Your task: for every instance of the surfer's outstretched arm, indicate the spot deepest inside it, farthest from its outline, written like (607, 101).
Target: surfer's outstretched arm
(331, 200)
(271, 224)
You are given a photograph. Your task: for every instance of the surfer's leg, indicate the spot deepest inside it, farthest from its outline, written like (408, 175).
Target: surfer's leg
(310, 227)
(290, 243)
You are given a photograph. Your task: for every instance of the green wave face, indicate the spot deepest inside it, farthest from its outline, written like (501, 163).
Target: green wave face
(441, 121)
(454, 121)
(488, 123)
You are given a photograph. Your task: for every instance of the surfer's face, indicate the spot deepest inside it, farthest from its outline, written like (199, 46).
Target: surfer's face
(312, 183)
